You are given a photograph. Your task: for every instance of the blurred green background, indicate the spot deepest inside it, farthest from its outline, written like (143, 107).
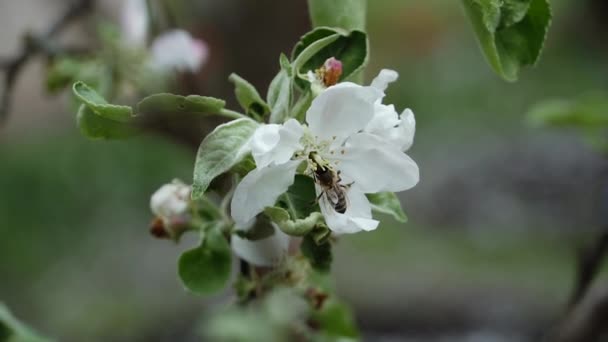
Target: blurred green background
(487, 254)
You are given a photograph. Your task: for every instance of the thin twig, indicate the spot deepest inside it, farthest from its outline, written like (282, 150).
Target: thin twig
(33, 45)
(589, 265)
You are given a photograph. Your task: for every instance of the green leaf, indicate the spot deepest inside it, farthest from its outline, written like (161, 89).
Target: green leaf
(174, 104)
(279, 97)
(96, 127)
(336, 320)
(315, 47)
(300, 200)
(318, 254)
(346, 14)
(511, 33)
(100, 106)
(206, 269)
(297, 227)
(12, 330)
(260, 230)
(387, 203)
(249, 98)
(587, 111)
(220, 151)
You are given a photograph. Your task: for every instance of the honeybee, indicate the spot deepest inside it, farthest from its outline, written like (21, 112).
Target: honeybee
(334, 191)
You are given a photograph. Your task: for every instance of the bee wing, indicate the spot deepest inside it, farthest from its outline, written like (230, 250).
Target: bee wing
(332, 195)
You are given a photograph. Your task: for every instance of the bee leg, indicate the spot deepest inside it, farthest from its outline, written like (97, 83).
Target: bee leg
(317, 199)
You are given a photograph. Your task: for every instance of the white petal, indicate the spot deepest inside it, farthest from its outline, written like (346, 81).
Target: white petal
(375, 166)
(265, 252)
(134, 22)
(276, 143)
(383, 79)
(264, 140)
(260, 189)
(177, 50)
(358, 215)
(342, 110)
(396, 130)
(404, 133)
(385, 117)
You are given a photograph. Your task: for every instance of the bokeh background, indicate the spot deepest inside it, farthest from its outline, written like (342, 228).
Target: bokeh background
(488, 253)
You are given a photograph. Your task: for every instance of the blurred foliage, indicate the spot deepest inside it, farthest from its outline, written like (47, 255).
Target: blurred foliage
(68, 202)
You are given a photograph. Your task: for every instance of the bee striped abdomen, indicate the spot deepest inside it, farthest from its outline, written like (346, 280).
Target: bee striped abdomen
(340, 205)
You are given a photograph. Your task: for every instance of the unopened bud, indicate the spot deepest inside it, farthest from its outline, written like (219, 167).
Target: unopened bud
(170, 204)
(331, 71)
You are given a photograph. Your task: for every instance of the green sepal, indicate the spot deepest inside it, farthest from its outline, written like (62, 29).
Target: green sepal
(297, 227)
(249, 98)
(206, 269)
(511, 33)
(387, 203)
(221, 150)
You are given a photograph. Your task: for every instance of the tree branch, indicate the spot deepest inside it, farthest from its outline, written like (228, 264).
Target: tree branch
(33, 45)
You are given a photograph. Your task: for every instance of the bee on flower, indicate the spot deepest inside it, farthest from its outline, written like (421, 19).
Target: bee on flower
(351, 144)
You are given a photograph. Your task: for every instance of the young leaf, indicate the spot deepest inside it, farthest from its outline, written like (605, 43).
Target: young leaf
(319, 255)
(346, 14)
(387, 203)
(206, 269)
(300, 198)
(279, 97)
(11, 329)
(588, 111)
(511, 33)
(100, 106)
(96, 127)
(170, 103)
(220, 151)
(249, 98)
(315, 47)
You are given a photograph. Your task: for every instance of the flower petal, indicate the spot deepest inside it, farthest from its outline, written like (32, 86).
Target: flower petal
(177, 50)
(264, 140)
(358, 215)
(259, 189)
(404, 133)
(265, 252)
(375, 165)
(385, 117)
(342, 110)
(383, 79)
(276, 143)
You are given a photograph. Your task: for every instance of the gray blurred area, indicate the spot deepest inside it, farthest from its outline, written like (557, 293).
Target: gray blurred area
(488, 253)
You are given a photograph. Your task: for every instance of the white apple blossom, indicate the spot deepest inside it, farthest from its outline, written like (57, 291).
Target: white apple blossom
(348, 130)
(173, 50)
(171, 203)
(177, 50)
